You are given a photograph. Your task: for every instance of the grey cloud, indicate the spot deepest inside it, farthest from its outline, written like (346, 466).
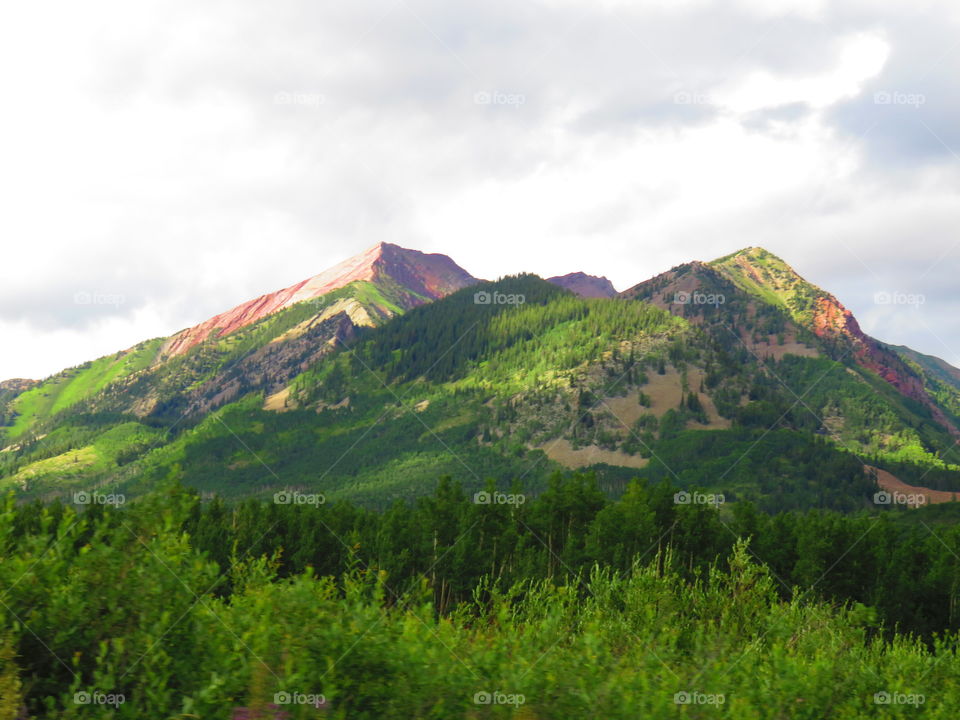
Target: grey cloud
(910, 114)
(79, 294)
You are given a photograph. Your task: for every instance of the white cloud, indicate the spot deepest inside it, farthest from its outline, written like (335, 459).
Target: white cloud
(861, 57)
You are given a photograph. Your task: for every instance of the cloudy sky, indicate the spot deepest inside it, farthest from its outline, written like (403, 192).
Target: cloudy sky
(165, 161)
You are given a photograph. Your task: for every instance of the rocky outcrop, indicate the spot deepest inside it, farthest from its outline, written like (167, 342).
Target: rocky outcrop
(16, 385)
(423, 276)
(831, 320)
(584, 285)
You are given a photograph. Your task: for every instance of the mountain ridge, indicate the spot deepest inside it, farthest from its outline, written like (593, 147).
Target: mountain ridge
(402, 362)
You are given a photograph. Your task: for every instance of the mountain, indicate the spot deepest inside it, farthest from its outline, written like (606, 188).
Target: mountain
(756, 270)
(421, 278)
(256, 346)
(585, 285)
(372, 380)
(758, 283)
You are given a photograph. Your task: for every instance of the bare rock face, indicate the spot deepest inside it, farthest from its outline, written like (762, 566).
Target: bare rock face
(272, 366)
(585, 285)
(424, 276)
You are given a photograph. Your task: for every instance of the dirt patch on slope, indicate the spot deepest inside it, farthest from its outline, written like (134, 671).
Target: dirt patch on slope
(893, 484)
(665, 393)
(278, 402)
(563, 452)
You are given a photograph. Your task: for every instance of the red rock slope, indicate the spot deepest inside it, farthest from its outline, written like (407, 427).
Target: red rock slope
(429, 276)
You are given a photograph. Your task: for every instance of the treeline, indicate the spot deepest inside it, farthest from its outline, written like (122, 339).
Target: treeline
(907, 571)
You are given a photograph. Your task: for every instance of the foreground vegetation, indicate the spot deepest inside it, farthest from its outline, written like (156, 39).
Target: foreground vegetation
(563, 606)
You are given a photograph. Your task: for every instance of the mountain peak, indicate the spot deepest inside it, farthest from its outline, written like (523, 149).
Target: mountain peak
(763, 275)
(584, 285)
(754, 250)
(754, 255)
(382, 248)
(424, 276)
(759, 272)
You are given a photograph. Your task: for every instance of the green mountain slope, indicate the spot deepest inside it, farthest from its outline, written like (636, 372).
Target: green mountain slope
(69, 387)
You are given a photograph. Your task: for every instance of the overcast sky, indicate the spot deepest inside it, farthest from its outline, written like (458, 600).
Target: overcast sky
(161, 162)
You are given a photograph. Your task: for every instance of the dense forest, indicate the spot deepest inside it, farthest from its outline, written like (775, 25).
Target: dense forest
(492, 604)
